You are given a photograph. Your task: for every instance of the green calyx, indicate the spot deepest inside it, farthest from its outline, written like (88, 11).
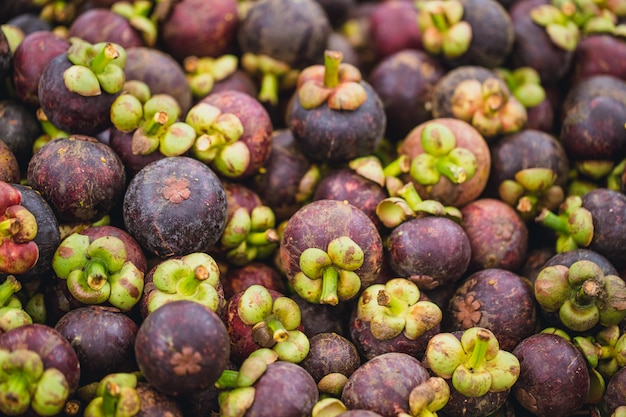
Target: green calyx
(193, 277)
(250, 235)
(138, 15)
(25, 383)
(217, 140)
(582, 295)
(475, 363)
(329, 276)
(429, 397)
(441, 157)
(557, 21)
(274, 323)
(96, 68)
(18, 229)
(443, 30)
(116, 396)
(525, 85)
(336, 84)
(12, 317)
(573, 224)
(203, 72)
(488, 106)
(395, 308)
(407, 204)
(237, 387)
(98, 272)
(273, 75)
(532, 190)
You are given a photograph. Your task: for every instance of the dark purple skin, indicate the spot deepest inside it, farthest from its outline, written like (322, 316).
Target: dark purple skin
(592, 127)
(319, 222)
(496, 299)
(285, 389)
(293, 32)
(330, 353)
(238, 278)
(103, 25)
(103, 338)
(608, 210)
(155, 403)
(48, 236)
(370, 347)
(321, 318)
(200, 28)
(393, 28)
(541, 117)
(334, 136)
(490, 44)
(528, 148)
(337, 10)
(278, 183)
(29, 61)
(257, 125)
(383, 384)
(497, 234)
(19, 128)
(430, 251)
(175, 206)
(5, 56)
(239, 195)
(404, 82)
(614, 394)
(53, 349)
(9, 168)
(81, 178)
(173, 350)
(599, 54)
(533, 47)
(121, 143)
(70, 111)
(554, 379)
(161, 72)
(345, 184)
(29, 23)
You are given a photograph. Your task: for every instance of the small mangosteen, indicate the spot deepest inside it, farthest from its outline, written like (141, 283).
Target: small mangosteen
(182, 348)
(238, 278)
(393, 28)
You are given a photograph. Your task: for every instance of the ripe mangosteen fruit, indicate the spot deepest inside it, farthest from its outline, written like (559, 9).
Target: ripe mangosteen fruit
(175, 206)
(182, 348)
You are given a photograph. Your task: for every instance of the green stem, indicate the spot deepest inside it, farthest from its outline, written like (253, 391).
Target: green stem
(151, 126)
(8, 288)
(109, 400)
(227, 380)
(330, 282)
(452, 171)
(332, 60)
(279, 332)
(477, 359)
(554, 222)
(96, 274)
(410, 195)
(395, 306)
(16, 392)
(262, 238)
(188, 285)
(103, 58)
(587, 294)
(268, 91)
(439, 20)
(398, 166)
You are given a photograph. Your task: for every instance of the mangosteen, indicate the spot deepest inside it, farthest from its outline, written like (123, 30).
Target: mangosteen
(103, 338)
(19, 128)
(9, 168)
(554, 379)
(81, 178)
(496, 299)
(175, 206)
(430, 251)
(450, 161)
(238, 278)
(330, 250)
(76, 89)
(334, 115)
(182, 348)
(393, 28)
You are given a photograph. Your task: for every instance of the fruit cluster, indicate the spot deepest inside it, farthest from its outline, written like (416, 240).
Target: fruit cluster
(321, 208)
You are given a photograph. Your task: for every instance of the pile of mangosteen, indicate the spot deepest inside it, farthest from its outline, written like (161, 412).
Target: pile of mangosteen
(313, 208)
